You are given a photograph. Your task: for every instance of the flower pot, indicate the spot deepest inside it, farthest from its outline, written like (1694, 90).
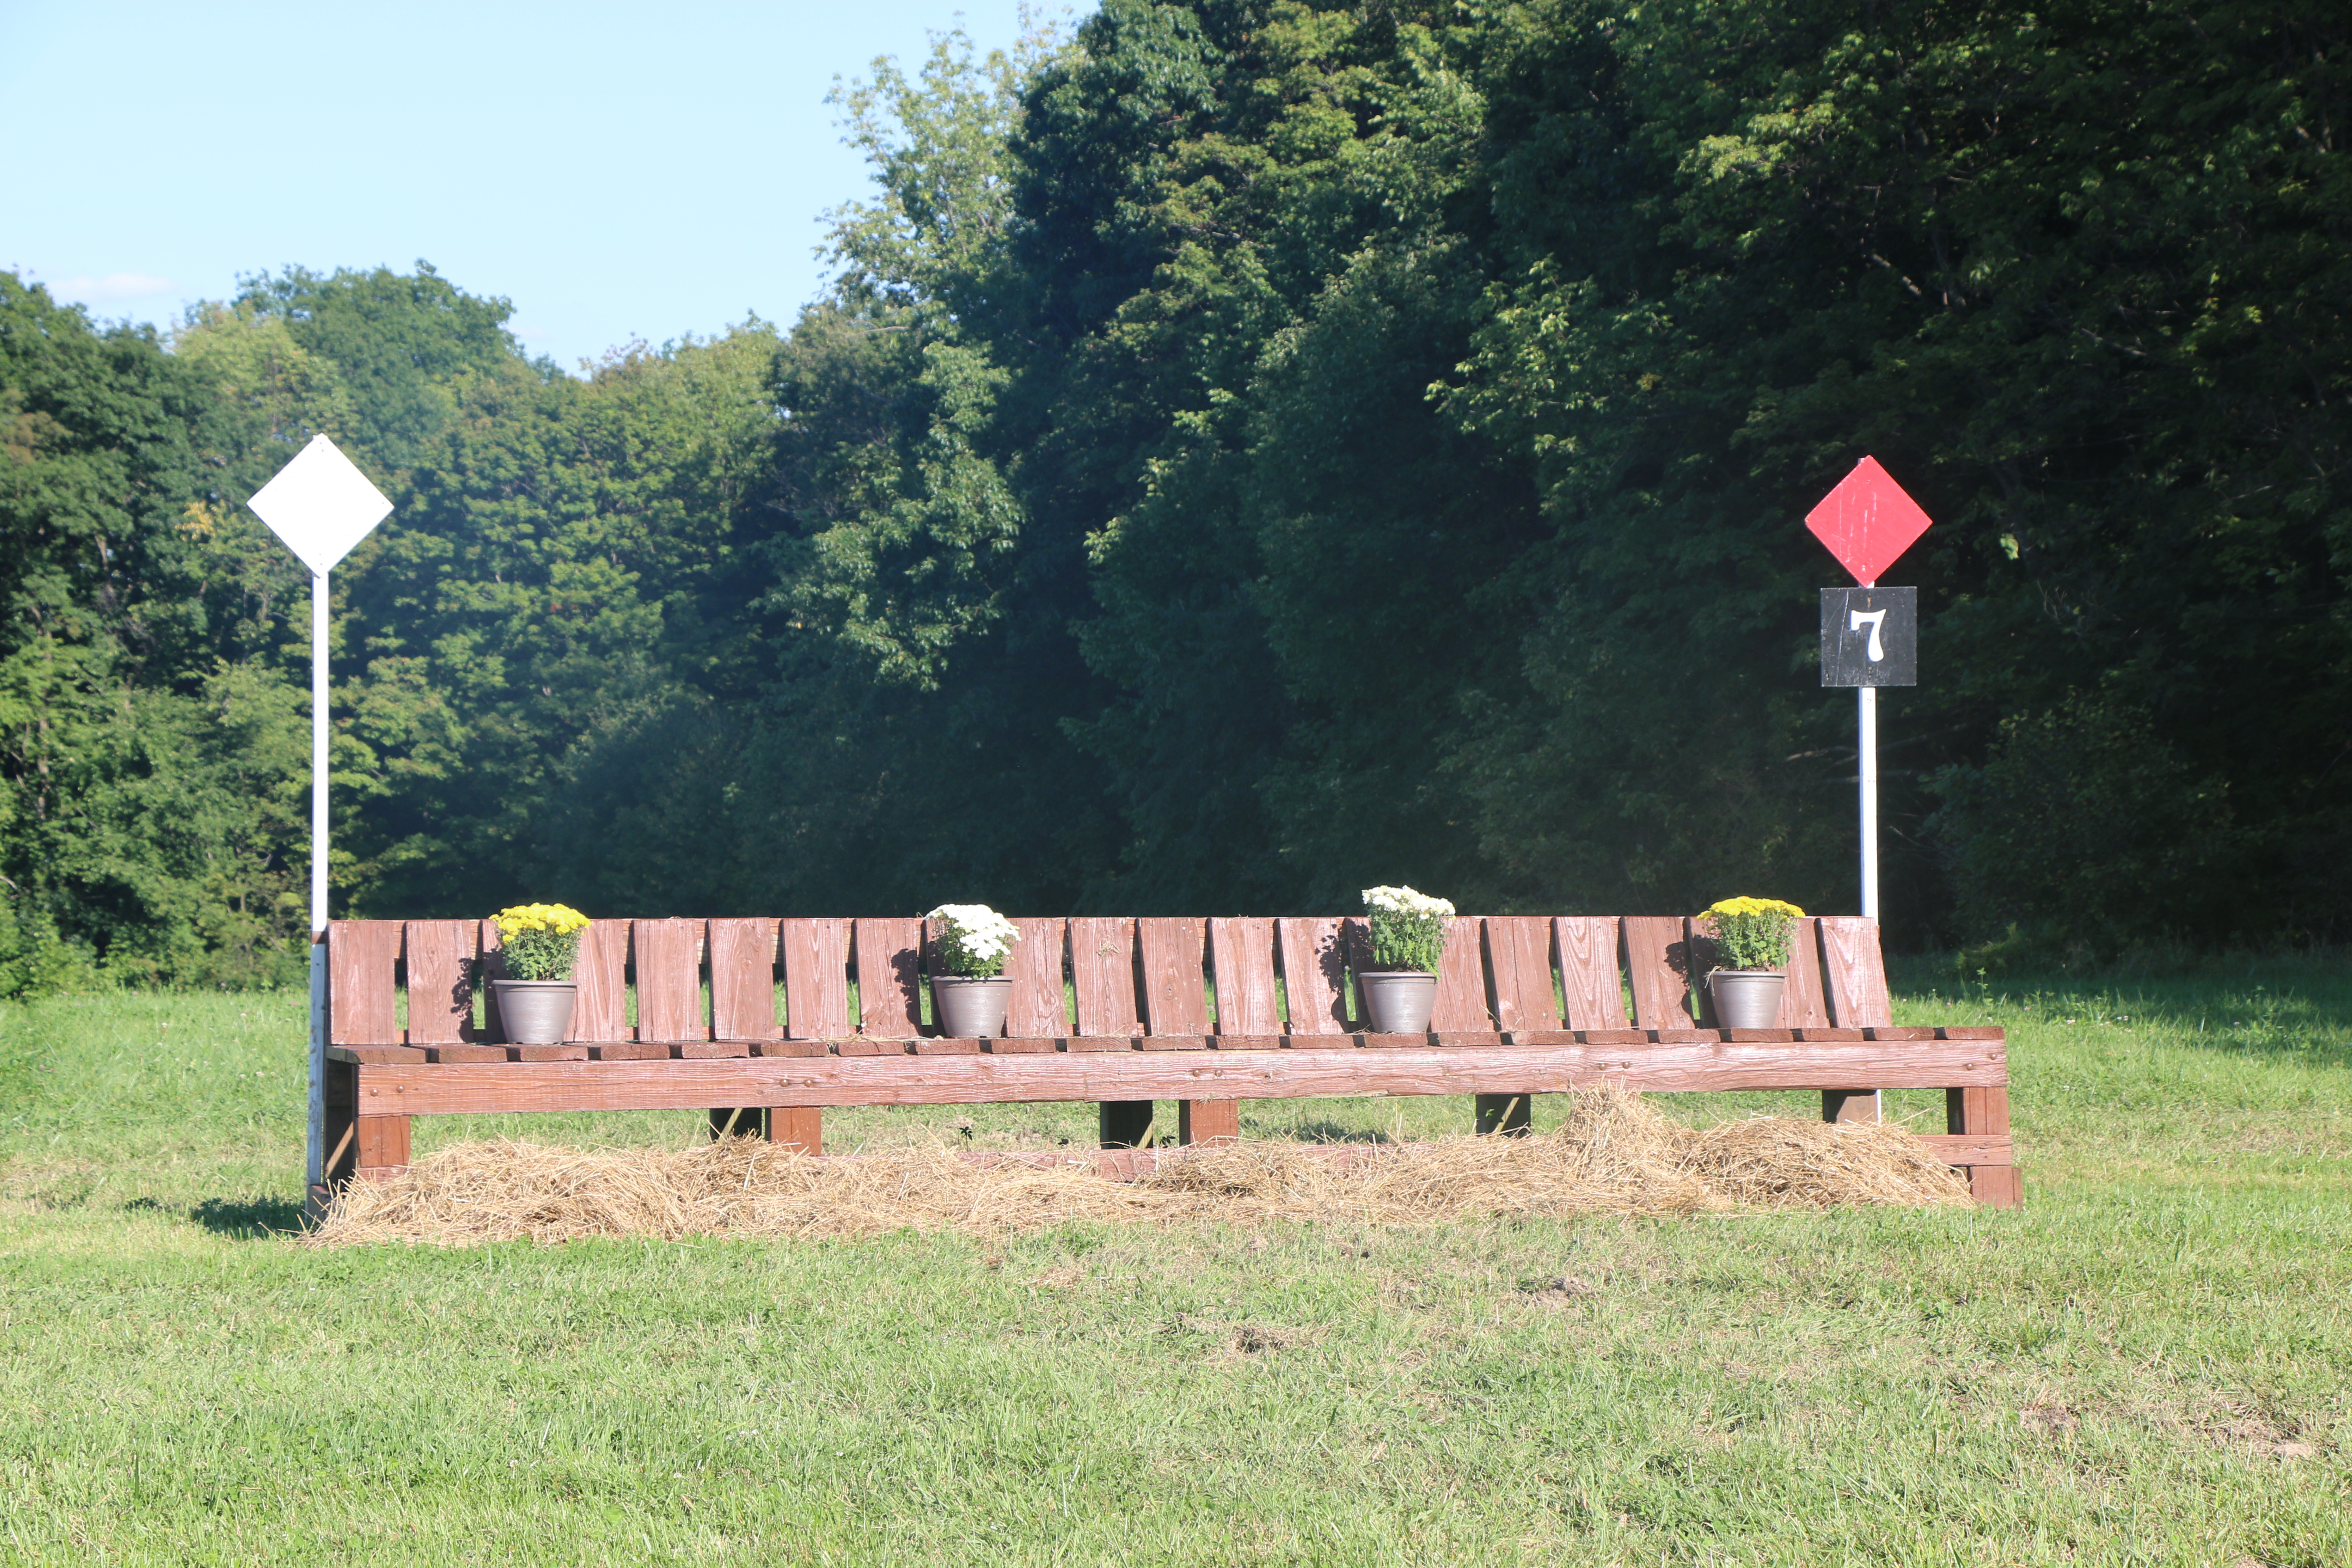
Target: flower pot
(971, 1005)
(1747, 998)
(1396, 1001)
(536, 1012)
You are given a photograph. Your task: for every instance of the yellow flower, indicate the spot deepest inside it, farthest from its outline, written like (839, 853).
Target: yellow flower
(1744, 906)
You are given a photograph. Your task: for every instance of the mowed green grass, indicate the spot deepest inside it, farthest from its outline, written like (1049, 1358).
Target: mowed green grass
(2150, 1363)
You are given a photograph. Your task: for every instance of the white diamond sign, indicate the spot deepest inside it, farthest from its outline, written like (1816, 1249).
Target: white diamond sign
(320, 505)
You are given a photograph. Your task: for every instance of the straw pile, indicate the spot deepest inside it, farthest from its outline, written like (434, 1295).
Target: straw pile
(1613, 1155)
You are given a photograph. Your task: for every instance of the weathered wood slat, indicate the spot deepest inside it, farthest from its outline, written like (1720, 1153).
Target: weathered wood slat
(1978, 1111)
(1802, 1003)
(668, 955)
(1314, 974)
(743, 979)
(1102, 970)
(1207, 1121)
(1589, 948)
(1461, 1001)
(601, 1009)
(890, 954)
(816, 979)
(1174, 1002)
(1986, 1149)
(363, 984)
(440, 967)
(1300, 1073)
(1518, 950)
(1036, 1008)
(1854, 972)
(1241, 954)
(1657, 966)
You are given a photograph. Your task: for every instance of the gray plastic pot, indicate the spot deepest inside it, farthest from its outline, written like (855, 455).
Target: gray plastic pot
(1398, 1001)
(1747, 998)
(536, 1012)
(971, 1006)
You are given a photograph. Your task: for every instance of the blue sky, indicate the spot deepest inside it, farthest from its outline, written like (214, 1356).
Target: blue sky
(614, 170)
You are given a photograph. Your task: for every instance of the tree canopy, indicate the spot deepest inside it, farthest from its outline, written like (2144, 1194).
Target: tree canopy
(1256, 450)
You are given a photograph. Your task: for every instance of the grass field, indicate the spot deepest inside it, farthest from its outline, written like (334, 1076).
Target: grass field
(2151, 1363)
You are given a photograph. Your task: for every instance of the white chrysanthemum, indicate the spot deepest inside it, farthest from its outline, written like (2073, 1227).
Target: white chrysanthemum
(1405, 901)
(976, 938)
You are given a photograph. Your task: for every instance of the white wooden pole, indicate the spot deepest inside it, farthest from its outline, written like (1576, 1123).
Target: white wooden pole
(315, 1161)
(1869, 701)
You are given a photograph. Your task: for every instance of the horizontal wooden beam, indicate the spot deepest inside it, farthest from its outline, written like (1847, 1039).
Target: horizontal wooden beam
(412, 1089)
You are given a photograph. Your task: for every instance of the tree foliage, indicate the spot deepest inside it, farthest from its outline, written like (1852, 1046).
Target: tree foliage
(1253, 450)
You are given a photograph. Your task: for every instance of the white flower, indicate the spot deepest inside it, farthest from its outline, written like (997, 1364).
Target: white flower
(1405, 901)
(978, 929)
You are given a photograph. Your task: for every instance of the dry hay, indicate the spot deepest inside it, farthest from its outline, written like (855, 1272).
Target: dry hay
(1613, 1155)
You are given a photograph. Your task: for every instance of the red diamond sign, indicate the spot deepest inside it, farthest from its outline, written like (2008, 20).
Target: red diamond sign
(1867, 522)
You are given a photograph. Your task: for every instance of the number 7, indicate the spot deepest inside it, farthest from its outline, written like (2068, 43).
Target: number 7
(1873, 619)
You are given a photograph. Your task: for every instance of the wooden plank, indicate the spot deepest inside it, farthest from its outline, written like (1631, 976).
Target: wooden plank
(1461, 1002)
(1102, 970)
(1314, 974)
(1802, 1005)
(1589, 948)
(816, 979)
(1657, 961)
(440, 965)
(1854, 972)
(1986, 1149)
(363, 987)
(1036, 1009)
(376, 1054)
(1175, 999)
(799, 1128)
(743, 979)
(1207, 1121)
(890, 956)
(669, 980)
(378, 1147)
(601, 1011)
(1850, 1105)
(1300, 1073)
(1241, 954)
(1979, 1111)
(1518, 952)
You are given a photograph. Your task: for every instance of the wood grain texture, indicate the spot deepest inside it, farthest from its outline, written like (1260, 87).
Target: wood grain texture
(1987, 1150)
(1657, 960)
(1979, 1112)
(407, 1088)
(1518, 952)
(362, 989)
(601, 1012)
(743, 979)
(378, 1147)
(1207, 1121)
(816, 979)
(1102, 969)
(890, 954)
(799, 1128)
(1036, 1008)
(1241, 955)
(1461, 1001)
(668, 960)
(1850, 1105)
(440, 963)
(1314, 974)
(1802, 1003)
(1854, 971)
(1174, 977)
(1589, 974)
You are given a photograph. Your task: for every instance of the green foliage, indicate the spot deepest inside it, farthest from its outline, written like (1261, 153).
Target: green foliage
(1751, 933)
(1408, 929)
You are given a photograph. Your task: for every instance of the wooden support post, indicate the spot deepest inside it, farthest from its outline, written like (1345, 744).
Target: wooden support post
(746, 1121)
(1850, 1105)
(1985, 1112)
(1508, 1114)
(1125, 1124)
(380, 1147)
(800, 1128)
(1207, 1121)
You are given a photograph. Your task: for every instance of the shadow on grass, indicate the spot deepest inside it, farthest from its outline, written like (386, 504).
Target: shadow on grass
(248, 1221)
(1325, 1132)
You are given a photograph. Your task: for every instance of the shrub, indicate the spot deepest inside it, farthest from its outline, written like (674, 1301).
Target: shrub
(1408, 928)
(974, 940)
(540, 941)
(1751, 933)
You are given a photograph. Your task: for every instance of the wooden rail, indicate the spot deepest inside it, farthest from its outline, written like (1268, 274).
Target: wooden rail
(770, 1021)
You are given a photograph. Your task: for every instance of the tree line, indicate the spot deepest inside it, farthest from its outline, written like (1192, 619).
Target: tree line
(1251, 450)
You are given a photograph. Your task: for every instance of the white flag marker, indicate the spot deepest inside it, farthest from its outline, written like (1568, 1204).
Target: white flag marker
(320, 505)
